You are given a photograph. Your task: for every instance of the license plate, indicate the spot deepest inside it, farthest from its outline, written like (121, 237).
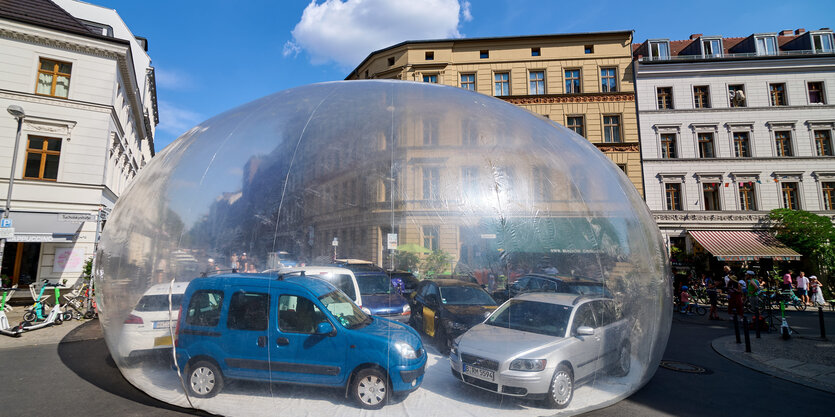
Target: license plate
(165, 324)
(162, 341)
(480, 373)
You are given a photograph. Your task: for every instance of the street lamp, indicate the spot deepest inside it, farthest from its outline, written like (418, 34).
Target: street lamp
(18, 113)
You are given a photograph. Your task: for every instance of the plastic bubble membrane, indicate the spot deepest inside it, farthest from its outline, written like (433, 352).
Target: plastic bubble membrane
(481, 249)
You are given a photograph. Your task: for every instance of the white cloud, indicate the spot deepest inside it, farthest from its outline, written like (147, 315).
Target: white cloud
(345, 32)
(172, 79)
(175, 120)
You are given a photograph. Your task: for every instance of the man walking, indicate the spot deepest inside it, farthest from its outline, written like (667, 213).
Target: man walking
(803, 288)
(787, 281)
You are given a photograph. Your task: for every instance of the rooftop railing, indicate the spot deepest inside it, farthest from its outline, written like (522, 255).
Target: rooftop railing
(735, 55)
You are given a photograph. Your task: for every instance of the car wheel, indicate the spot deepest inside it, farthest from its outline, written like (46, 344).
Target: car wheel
(442, 340)
(624, 362)
(204, 379)
(370, 389)
(562, 388)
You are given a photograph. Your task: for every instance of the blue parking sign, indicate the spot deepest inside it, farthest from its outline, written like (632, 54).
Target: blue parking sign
(5, 223)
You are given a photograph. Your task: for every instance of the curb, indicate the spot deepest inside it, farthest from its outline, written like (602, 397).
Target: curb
(725, 346)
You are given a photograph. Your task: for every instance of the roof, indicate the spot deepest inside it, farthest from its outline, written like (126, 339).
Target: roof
(316, 286)
(737, 245)
(47, 14)
(730, 45)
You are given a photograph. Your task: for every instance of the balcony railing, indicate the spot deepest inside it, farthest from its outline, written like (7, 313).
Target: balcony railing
(805, 52)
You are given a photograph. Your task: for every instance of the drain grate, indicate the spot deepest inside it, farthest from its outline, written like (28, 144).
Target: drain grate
(683, 367)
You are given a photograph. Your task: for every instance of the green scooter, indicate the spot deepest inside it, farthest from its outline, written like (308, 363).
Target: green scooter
(5, 328)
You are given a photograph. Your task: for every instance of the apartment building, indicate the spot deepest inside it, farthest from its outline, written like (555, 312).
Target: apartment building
(81, 87)
(731, 128)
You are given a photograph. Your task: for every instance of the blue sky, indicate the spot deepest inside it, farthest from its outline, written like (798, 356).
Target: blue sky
(214, 55)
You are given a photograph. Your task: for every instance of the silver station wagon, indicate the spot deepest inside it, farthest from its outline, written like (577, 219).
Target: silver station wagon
(542, 345)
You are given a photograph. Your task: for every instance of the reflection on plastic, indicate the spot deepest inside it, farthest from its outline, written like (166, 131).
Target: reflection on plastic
(466, 186)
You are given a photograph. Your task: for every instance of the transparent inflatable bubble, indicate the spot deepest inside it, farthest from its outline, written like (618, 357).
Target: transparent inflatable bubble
(264, 261)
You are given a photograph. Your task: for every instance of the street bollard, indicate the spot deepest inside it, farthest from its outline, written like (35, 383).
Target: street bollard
(822, 324)
(736, 328)
(747, 336)
(757, 319)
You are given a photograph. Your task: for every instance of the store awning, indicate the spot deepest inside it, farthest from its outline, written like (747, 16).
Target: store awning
(42, 227)
(738, 245)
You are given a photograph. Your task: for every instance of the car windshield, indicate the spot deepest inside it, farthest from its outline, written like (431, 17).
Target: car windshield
(374, 284)
(341, 281)
(466, 296)
(532, 316)
(345, 311)
(159, 302)
(588, 289)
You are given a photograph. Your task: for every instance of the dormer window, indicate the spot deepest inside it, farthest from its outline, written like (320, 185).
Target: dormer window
(659, 50)
(711, 48)
(822, 43)
(766, 45)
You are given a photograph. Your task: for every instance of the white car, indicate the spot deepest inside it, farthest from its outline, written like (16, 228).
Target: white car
(146, 329)
(341, 278)
(541, 345)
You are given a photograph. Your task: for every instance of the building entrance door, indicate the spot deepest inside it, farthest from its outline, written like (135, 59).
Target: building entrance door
(20, 263)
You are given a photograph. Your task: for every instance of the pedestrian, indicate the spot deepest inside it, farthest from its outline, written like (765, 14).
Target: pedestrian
(753, 289)
(233, 262)
(706, 279)
(787, 280)
(802, 284)
(734, 298)
(684, 300)
(713, 298)
(815, 291)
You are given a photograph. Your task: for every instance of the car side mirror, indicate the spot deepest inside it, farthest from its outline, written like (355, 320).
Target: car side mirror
(585, 331)
(324, 327)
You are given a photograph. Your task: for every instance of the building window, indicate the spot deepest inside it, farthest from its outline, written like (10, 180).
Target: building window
(537, 82)
(701, 97)
(431, 183)
(576, 124)
(501, 80)
(430, 78)
(391, 61)
(668, 145)
(665, 97)
(766, 45)
(608, 80)
(572, 81)
(535, 52)
(822, 43)
(742, 145)
(430, 132)
(611, 129)
(816, 95)
(823, 143)
(42, 156)
(828, 190)
(789, 194)
(430, 56)
(736, 94)
(541, 184)
(747, 197)
(778, 94)
(589, 49)
(469, 134)
(712, 48)
(783, 143)
(484, 54)
(659, 50)
(673, 195)
(468, 81)
(710, 191)
(469, 179)
(431, 237)
(622, 167)
(53, 78)
(706, 149)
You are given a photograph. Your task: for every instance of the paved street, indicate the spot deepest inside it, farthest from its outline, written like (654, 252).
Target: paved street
(78, 377)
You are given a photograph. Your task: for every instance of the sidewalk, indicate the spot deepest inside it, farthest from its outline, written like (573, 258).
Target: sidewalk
(51, 334)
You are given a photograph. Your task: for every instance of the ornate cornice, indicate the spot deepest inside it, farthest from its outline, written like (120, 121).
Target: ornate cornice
(569, 98)
(65, 44)
(761, 218)
(610, 147)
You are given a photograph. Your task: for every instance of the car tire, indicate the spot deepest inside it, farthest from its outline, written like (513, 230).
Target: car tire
(203, 379)
(370, 389)
(624, 363)
(562, 388)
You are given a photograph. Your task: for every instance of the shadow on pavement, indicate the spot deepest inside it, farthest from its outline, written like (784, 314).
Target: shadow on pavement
(87, 356)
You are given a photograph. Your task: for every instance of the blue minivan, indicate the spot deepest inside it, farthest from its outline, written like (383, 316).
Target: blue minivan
(292, 329)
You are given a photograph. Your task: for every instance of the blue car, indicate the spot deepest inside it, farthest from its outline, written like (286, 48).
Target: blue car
(292, 329)
(381, 298)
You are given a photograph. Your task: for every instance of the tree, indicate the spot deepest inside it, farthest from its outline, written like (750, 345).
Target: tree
(810, 235)
(435, 263)
(406, 261)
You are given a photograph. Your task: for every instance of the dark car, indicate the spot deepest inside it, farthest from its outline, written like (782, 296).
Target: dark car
(380, 297)
(405, 282)
(552, 283)
(446, 308)
(358, 265)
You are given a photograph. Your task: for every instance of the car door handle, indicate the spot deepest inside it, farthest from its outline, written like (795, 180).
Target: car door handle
(282, 341)
(262, 341)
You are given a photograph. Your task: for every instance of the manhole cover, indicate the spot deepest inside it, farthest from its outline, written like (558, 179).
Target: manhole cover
(683, 367)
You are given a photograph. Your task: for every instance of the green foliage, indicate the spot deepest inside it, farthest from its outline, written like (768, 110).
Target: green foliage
(810, 235)
(435, 263)
(88, 268)
(5, 281)
(406, 261)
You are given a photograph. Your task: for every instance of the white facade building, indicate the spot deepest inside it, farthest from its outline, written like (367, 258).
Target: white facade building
(732, 128)
(87, 88)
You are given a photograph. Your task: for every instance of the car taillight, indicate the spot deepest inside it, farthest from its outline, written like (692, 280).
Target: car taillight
(177, 330)
(134, 320)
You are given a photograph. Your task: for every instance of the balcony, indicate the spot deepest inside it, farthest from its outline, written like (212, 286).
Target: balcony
(742, 55)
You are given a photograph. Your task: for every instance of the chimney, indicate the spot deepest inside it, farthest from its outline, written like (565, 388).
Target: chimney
(798, 31)
(786, 33)
(695, 36)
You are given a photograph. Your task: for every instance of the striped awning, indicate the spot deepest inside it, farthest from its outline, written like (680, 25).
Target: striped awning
(738, 245)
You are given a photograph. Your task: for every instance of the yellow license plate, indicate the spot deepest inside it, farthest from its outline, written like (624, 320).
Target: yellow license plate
(162, 341)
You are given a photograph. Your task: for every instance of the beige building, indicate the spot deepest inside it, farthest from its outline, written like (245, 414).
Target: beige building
(583, 81)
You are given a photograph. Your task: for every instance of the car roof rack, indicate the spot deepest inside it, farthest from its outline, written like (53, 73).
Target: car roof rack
(286, 274)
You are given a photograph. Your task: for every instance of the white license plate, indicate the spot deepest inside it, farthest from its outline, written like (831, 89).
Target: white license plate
(166, 324)
(479, 373)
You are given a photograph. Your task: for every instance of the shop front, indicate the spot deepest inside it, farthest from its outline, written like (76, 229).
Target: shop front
(755, 250)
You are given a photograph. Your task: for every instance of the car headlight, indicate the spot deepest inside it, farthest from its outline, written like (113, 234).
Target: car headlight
(405, 350)
(529, 365)
(453, 350)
